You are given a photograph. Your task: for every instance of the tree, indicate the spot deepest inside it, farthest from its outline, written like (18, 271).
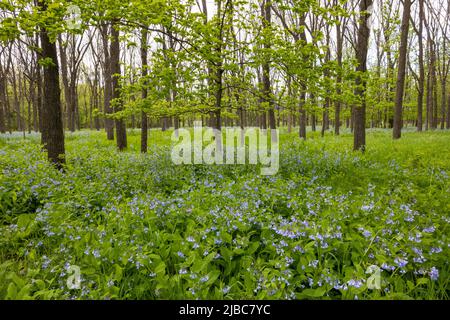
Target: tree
(397, 132)
(144, 61)
(121, 131)
(359, 142)
(52, 124)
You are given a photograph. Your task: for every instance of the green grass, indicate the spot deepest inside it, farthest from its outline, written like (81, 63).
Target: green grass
(139, 227)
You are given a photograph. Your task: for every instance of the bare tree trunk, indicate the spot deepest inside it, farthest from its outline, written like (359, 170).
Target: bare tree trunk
(421, 68)
(52, 124)
(3, 99)
(144, 119)
(362, 47)
(337, 105)
(267, 87)
(398, 121)
(302, 118)
(65, 81)
(109, 123)
(115, 72)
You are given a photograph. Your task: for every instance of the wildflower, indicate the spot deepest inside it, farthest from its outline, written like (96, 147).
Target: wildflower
(96, 253)
(429, 229)
(289, 261)
(436, 250)
(434, 274)
(367, 208)
(355, 283)
(182, 271)
(204, 279)
(420, 259)
(180, 254)
(226, 289)
(313, 263)
(46, 262)
(401, 262)
(387, 267)
(367, 234)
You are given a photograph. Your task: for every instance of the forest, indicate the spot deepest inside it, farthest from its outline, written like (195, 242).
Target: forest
(355, 95)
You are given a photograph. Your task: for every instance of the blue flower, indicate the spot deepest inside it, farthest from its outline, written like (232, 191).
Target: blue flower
(401, 262)
(96, 253)
(387, 267)
(355, 283)
(436, 250)
(434, 274)
(313, 263)
(367, 234)
(429, 229)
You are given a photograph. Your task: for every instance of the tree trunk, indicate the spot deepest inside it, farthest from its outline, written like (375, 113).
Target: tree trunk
(266, 15)
(144, 119)
(52, 124)
(359, 142)
(397, 132)
(109, 123)
(121, 132)
(421, 69)
(3, 99)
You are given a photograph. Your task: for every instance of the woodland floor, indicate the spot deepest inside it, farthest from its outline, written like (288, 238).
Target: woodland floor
(139, 227)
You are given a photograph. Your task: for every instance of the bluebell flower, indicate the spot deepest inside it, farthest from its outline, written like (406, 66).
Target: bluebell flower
(429, 229)
(367, 234)
(183, 271)
(434, 274)
(314, 263)
(401, 262)
(355, 283)
(96, 253)
(387, 267)
(436, 250)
